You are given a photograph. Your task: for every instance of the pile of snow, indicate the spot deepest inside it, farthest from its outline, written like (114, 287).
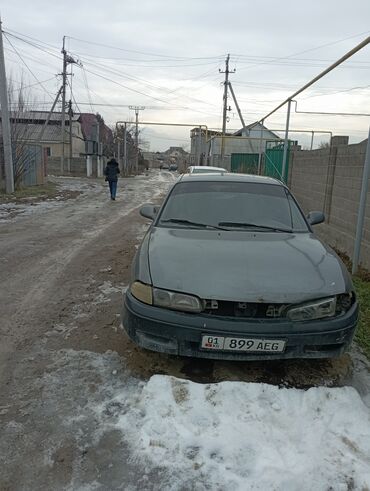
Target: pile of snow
(239, 436)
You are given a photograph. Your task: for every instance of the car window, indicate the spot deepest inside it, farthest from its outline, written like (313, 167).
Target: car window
(242, 202)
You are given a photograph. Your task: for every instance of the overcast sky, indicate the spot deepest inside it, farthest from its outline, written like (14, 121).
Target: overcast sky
(166, 55)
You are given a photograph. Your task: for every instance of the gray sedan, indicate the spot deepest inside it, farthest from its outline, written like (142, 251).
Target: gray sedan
(231, 269)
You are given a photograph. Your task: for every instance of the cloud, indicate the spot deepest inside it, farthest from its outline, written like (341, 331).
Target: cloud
(165, 55)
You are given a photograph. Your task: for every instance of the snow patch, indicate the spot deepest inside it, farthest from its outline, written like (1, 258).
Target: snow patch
(107, 290)
(239, 436)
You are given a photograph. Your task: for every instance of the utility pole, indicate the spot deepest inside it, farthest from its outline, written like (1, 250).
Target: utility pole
(125, 163)
(286, 143)
(50, 113)
(237, 106)
(70, 114)
(64, 83)
(5, 122)
(66, 60)
(137, 109)
(225, 109)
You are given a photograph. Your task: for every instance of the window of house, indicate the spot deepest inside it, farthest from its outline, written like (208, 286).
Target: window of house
(48, 151)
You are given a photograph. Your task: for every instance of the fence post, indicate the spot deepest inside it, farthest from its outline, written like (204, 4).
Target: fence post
(361, 208)
(286, 141)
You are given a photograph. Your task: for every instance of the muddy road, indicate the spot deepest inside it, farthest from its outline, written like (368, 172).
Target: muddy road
(64, 267)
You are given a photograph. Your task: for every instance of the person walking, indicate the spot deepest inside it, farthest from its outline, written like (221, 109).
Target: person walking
(111, 172)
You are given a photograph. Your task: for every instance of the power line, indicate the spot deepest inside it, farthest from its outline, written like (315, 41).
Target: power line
(87, 88)
(338, 92)
(35, 46)
(312, 49)
(72, 95)
(144, 82)
(21, 87)
(143, 94)
(28, 68)
(115, 71)
(155, 137)
(10, 31)
(35, 60)
(142, 52)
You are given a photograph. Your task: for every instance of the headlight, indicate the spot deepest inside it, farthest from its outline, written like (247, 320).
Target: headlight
(165, 298)
(313, 310)
(176, 301)
(142, 292)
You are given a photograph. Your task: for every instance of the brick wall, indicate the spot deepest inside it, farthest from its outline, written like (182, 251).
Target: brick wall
(329, 180)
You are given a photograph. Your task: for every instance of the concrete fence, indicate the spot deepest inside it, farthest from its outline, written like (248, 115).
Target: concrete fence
(329, 180)
(90, 166)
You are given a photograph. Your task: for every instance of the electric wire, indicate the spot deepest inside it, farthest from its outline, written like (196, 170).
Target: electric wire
(142, 52)
(144, 82)
(21, 87)
(73, 97)
(28, 68)
(313, 49)
(87, 88)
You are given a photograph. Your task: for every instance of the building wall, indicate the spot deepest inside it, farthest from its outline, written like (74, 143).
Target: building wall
(237, 144)
(78, 143)
(329, 180)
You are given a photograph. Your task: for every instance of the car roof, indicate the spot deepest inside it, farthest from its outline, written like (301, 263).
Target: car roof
(231, 177)
(220, 169)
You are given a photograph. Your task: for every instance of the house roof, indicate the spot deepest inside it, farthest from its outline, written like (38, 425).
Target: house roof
(255, 125)
(32, 132)
(175, 149)
(35, 120)
(89, 124)
(36, 116)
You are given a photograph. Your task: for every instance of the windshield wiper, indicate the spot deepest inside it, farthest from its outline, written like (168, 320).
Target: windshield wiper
(189, 222)
(254, 225)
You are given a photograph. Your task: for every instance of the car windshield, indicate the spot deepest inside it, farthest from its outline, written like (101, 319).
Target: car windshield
(233, 206)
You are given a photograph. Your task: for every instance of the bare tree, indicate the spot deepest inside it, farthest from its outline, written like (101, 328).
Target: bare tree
(20, 104)
(119, 137)
(324, 145)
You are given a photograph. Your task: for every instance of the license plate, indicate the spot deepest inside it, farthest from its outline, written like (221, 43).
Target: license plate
(243, 344)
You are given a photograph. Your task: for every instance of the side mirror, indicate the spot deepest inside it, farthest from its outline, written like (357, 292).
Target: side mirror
(149, 211)
(315, 217)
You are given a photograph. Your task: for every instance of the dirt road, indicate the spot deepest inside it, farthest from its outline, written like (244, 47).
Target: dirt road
(63, 356)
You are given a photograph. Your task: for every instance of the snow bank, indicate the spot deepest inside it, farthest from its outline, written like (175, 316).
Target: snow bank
(239, 436)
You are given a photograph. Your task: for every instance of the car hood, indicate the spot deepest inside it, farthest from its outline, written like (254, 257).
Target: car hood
(245, 266)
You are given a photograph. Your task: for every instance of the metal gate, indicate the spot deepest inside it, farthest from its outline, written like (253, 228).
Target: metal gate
(28, 162)
(274, 160)
(244, 163)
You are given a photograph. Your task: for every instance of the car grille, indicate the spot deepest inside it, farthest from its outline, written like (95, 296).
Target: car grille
(245, 309)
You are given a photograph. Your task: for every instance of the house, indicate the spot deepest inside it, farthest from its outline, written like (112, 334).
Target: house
(87, 130)
(199, 144)
(94, 130)
(28, 126)
(239, 151)
(89, 138)
(173, 155)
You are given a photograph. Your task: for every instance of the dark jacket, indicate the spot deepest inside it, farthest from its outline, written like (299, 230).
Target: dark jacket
(111, 171)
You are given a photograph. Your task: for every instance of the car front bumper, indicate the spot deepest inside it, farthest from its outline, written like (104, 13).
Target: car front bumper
(179, 333)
